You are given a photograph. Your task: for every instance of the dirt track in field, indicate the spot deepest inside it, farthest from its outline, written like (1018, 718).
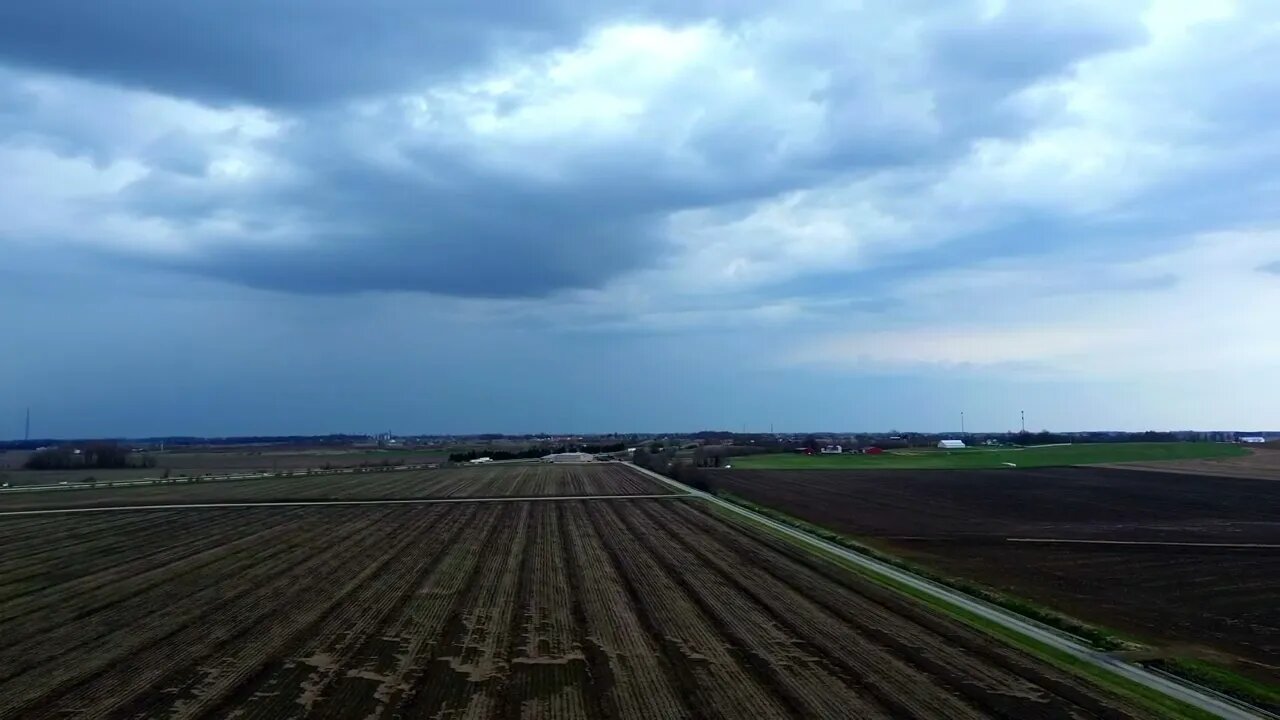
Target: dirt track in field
(573, 610)
(1212, 594)
(472, 482)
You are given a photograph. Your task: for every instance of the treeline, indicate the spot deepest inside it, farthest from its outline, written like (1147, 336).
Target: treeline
(534, 453)
(99, 455)
(1044, 437)
(665, 462)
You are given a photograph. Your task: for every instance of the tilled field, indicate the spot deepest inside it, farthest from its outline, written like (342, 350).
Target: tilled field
(1184, 562)
(1262, 463)
(537, 480)
(1069, 503)
(634, 608)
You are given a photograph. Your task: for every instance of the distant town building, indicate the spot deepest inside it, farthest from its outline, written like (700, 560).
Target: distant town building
(951, 444)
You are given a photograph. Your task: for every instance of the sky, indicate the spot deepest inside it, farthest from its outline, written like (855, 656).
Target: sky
(313, 216)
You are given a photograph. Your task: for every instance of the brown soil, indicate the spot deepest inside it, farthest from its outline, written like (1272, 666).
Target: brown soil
(228, 461)
(560, 610)
(534, 480)
(1221, 600)
(1261, 463)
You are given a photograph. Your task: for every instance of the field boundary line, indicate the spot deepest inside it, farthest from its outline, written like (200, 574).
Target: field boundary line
(1140, 543)
(306, 503)
(198, 479)
(1059, 641)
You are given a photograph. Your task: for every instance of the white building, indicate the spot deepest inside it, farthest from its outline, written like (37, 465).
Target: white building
(569, 457)
(951, 444)
(831, 450)
(1253, 439)
(481, 461)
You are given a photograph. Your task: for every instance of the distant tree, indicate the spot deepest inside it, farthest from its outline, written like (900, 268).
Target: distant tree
(689, 474)
(641, 457)
(105, 455)
(60, 458)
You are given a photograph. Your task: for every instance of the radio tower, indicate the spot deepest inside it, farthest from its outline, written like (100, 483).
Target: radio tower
(26, 435)
(1024, 421)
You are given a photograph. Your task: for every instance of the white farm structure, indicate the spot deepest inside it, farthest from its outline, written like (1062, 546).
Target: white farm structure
(951, 445)
(568, 457)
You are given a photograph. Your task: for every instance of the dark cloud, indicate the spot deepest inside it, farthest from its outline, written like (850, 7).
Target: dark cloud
(287, 51)
(1027, 41)
(361, 200)
(1272, 267)
(442, 224)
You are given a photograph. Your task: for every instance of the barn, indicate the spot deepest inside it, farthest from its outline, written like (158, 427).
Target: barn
(951, 444)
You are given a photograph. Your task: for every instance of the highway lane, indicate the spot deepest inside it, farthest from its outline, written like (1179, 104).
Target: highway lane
(1203, 699)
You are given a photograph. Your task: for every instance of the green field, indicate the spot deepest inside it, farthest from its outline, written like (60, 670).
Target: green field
(980, 458)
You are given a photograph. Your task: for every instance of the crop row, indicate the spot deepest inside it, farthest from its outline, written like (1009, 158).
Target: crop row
(530, 480)
(559, 610)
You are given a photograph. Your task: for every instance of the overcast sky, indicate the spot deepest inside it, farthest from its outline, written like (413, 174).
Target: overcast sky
(309, 216)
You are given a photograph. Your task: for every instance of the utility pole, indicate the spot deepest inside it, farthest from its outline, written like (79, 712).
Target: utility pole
(962, 422)
(1024, 421)
(26, 435)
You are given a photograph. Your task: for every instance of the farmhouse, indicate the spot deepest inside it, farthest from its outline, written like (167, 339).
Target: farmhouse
(831, 450)
(951, 444)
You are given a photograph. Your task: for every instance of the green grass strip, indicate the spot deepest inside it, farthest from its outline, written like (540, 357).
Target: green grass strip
(1210, 675)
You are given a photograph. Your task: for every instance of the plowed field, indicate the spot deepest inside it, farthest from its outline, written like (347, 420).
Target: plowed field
(473, 482)
(637, 609)
(1189, 564)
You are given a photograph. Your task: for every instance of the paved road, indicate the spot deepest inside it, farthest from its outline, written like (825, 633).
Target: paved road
(1204, 700)
(305, 503)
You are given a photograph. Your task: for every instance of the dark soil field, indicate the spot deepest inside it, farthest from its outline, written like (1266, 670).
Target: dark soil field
(1187, 563)
(533, 480)
(632, 609)
(221, 462)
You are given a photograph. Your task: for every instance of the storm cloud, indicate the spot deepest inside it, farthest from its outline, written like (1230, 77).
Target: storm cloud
(662, 168)
(503, 150)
